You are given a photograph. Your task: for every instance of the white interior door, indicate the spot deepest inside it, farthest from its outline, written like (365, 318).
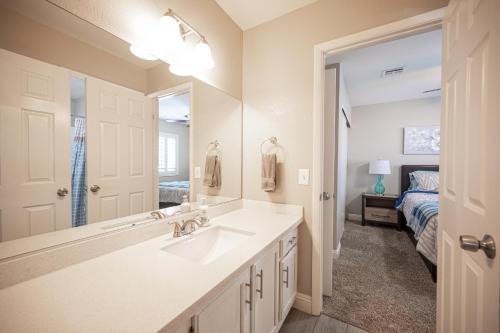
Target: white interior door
(329, 175)
(35, 147)
(120, 127)
(468, 281)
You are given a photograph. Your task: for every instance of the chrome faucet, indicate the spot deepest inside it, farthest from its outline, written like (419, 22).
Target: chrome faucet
(191, 223)
(157, 215)
(178, 229)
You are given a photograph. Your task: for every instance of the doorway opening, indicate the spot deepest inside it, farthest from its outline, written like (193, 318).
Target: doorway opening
(78, 152)
(381, 126)
(174, 149)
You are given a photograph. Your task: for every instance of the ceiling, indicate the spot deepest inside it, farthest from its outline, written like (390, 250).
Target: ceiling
(248, 14)
(58, 19)
(174, 108)
(362, 69)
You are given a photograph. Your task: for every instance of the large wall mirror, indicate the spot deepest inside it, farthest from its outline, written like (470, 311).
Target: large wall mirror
(85, 140)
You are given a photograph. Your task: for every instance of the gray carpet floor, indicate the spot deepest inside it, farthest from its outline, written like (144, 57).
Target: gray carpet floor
(380, 283)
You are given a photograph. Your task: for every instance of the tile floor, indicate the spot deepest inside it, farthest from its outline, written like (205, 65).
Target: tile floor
(300, 322)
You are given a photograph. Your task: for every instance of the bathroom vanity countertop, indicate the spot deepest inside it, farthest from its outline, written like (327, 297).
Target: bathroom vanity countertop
(140, 288)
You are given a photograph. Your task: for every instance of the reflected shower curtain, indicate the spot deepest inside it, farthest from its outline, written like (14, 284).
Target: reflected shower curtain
(78, 176)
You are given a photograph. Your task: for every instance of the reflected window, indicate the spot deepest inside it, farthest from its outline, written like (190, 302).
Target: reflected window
(168, 154)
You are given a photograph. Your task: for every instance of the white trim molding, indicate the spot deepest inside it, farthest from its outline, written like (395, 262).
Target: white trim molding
(303, 303)
(336, 252)
(399, 29)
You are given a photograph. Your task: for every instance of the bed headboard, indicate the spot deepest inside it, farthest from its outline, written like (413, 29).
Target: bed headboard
(407, 169)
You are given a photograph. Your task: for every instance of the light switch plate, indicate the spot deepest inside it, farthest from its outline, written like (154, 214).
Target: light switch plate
(303, 176)
(197, 172)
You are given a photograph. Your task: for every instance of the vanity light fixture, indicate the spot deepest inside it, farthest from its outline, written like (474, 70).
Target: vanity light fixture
(141, 53)
(170, 40)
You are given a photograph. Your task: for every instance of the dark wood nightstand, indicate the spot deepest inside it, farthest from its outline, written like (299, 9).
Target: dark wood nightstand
(380, 209)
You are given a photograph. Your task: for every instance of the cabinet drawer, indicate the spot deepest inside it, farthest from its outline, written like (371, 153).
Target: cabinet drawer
(288, 241)
(381, 214)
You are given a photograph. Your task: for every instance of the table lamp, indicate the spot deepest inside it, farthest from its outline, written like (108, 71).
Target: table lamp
(379, 168)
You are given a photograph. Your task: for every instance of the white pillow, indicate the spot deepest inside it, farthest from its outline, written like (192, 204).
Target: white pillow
(426, 180)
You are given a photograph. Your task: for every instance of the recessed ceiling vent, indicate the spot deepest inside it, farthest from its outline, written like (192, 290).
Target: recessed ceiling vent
(393, 71)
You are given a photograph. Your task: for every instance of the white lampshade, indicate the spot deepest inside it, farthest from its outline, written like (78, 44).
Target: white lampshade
(380, 167)
(202, 56)
(182, 64)
(141, 53)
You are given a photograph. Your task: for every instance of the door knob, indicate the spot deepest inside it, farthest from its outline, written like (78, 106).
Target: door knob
(325, 196)
(62, 192)
(95, 188)
(471, 243)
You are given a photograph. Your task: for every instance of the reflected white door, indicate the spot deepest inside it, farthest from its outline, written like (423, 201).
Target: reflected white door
(35, 147)
(119, 126)
(468, 282)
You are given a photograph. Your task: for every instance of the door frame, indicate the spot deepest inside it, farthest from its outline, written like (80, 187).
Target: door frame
(176, 90)
(410, 26)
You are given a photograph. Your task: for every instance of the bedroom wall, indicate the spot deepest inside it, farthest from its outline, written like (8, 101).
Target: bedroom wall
(183, 132)
(377, 132)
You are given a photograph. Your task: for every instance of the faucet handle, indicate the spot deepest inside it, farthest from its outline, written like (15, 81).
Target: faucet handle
(177, 228)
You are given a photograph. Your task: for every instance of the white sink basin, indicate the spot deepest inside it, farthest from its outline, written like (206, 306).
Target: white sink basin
(206, 246)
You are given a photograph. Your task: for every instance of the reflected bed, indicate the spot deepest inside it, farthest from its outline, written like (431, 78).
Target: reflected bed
(172, 192)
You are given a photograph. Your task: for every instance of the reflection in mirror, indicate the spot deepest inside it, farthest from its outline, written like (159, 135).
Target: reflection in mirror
(173, 149)
(80, 140)
(78, 153)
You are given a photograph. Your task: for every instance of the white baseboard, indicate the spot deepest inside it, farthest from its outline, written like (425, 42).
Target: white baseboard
(303, 303)
(336, 252)
(354, 217)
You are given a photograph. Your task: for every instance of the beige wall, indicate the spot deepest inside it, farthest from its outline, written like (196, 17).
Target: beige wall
(223, 35)
(217, 116)
(278, 88)
(24, 36)
(385, 122)
(183, 132)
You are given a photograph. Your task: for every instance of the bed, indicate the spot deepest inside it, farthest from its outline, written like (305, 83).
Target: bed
(172, 192)
(418, 211)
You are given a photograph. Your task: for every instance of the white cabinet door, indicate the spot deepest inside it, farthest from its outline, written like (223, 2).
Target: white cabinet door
(265, 292)
(288, 282)
(229, 313)
(119, 125)
(35, 147)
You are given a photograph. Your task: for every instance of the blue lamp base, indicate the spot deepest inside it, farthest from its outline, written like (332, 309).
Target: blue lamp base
(379, 187)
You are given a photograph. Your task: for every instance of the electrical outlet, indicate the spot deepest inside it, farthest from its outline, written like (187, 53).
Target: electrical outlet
(303, 176)
(197, 172)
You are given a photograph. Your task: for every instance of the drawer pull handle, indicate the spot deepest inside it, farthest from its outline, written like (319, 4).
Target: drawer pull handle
(286, 281)
(261, 290)
(382, 216)
(292, 240)
(249, 302)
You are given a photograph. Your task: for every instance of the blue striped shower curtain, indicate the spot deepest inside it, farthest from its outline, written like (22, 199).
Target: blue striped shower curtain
(78, 175)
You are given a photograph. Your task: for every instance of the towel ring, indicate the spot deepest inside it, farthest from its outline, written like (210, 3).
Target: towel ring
(273, 140)
(214, 146)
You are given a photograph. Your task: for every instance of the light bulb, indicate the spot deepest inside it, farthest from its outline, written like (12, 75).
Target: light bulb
(203, 56)
(141, 53)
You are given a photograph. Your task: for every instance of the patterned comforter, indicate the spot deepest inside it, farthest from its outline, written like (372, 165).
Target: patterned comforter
(173, 191)
(420, 209)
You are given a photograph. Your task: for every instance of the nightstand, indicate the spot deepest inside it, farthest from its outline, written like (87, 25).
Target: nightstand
(380, 209)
